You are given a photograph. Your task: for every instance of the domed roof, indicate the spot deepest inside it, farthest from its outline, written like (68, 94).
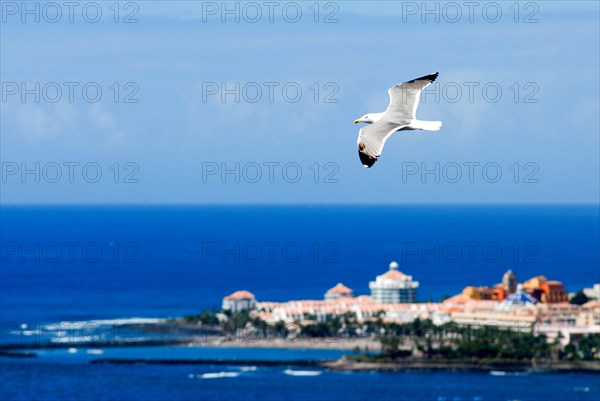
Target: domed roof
(394, 275)
(239, 295)
(340, 289)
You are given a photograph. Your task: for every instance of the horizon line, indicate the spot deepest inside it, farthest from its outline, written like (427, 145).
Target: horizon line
(303, 204)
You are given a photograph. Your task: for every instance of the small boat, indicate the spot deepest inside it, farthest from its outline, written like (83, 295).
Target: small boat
(72, 350)
(302, 372)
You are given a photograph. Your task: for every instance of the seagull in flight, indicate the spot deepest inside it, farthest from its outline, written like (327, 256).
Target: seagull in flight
(399, 116)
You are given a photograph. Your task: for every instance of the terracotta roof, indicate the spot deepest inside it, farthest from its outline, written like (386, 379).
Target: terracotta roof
(394, 275)
(240, 295)
(340, 289)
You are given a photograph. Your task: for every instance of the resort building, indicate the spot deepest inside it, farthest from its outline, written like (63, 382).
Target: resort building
(339, 291)
(497, 293)
(535, 306)
(363, 307)
(564, 321)
(589, 315)
(519, 298)
(239, 301)
(516, 312)
(546, 291)
(480, 316)
(394, 287)
(537, 287)
(509, 282)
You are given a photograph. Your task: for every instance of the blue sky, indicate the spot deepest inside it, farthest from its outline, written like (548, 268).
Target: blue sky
(536, 142)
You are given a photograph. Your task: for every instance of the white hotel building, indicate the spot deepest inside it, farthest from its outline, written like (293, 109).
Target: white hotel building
(394, 287)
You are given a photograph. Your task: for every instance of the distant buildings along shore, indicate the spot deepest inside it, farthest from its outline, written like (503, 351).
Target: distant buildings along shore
(537, 304)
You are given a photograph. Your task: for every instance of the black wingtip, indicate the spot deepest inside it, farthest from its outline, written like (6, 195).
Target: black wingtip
(367, 160)
(430, 78)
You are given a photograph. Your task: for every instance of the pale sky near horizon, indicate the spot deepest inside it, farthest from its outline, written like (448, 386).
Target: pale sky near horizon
(518, 94)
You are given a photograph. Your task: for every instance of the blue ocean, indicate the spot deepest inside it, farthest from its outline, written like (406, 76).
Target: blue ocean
(82, 263)
(28, 380)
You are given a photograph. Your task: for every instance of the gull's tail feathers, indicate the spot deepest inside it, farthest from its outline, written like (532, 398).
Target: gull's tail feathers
(426, 125)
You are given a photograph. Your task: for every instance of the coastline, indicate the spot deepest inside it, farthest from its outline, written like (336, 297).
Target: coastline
(344, 364)
(349, 363)
(365, 345)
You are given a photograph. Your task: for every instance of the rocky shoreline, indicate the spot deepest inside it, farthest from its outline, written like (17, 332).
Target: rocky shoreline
(210, 341)
(366, 358)
(345, 364)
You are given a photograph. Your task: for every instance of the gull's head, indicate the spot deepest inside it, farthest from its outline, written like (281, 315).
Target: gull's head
(367, 118)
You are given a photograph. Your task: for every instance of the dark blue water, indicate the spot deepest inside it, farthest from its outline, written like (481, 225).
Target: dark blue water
(28, 380)
(81, 263)
(83, 355)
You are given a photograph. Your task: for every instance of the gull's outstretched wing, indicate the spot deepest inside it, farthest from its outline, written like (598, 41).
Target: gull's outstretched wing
(371, 140)
(404, 98)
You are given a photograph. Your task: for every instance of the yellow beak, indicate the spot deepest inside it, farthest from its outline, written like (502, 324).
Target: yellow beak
(357, 121)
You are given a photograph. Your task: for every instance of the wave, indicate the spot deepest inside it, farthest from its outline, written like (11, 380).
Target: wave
(103, 322)
(218, 375)
(26, 333)
(504, 373)
(82, 330)
(302, 372)
(70, 339)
